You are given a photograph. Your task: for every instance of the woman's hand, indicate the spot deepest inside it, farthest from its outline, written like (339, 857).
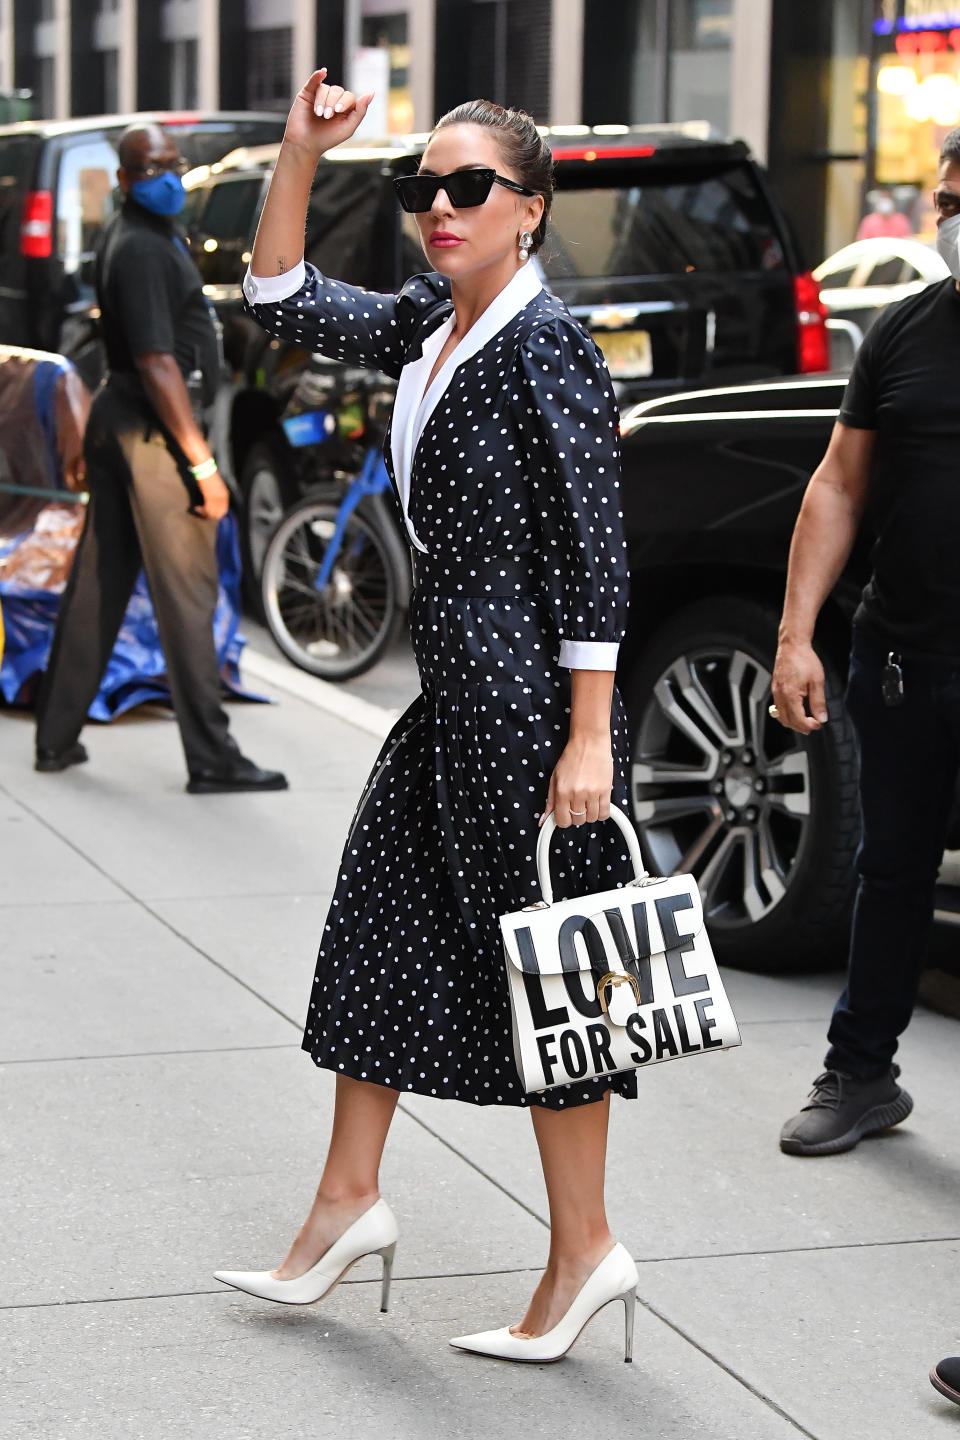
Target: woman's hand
(582, 783)
(323, 116)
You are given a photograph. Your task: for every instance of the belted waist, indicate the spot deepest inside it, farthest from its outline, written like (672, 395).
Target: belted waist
(487, 577)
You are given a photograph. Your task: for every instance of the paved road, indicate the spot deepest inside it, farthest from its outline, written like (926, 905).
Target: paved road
(159, 1121)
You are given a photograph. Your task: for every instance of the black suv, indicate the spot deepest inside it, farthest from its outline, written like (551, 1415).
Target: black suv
(57, 189)
(766, 820)
(664, 241)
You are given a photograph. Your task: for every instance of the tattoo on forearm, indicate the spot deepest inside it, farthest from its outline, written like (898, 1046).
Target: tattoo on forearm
(281, 264)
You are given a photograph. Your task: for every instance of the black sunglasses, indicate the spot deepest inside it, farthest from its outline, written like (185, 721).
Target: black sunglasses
(464, 188)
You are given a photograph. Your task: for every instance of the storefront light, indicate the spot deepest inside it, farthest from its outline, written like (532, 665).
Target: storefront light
(936, 98)
(896, 79)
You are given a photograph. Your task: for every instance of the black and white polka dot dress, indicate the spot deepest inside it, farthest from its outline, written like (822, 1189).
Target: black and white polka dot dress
(512, 453)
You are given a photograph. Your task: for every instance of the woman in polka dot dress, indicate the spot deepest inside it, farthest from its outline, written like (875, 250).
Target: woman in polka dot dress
(503, 450)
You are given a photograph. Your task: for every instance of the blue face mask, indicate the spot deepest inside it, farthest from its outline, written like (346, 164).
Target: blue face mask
(161, 194)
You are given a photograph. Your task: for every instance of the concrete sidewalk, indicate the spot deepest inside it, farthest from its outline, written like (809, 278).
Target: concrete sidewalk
(159, 1121)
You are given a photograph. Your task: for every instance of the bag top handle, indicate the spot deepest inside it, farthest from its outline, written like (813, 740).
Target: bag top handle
(546, 835)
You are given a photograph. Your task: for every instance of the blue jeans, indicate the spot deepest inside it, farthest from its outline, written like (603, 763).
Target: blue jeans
(909, 758)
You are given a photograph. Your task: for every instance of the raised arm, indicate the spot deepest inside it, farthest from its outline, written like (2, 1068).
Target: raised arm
(825, 531)
(293, 301)
(321, 117)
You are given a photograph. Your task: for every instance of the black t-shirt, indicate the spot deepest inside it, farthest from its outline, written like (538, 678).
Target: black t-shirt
(152, 302)
(906, 385)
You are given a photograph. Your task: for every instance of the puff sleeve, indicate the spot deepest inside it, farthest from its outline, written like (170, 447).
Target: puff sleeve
(572, 432)
(343, 322)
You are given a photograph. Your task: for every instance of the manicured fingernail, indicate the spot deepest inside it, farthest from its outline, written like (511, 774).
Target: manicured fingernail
(328, 113)
(337, 109)
(822, 717)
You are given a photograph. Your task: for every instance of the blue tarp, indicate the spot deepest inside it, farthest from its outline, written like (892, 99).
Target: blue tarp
(135, 673)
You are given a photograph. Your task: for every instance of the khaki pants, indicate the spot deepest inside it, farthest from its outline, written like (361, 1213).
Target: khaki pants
(137, 516)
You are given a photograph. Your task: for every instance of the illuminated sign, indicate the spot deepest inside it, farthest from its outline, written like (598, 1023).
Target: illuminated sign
(913, 15)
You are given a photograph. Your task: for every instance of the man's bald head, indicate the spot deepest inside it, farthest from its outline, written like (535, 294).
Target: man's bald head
(142, 147)
(137, 141)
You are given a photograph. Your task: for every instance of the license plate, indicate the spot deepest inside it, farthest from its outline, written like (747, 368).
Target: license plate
(628, 353)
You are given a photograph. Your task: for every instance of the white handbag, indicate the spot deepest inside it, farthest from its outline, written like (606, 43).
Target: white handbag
(612, 981)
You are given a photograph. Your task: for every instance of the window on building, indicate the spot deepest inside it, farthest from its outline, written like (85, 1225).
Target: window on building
(390, 32)
(506, 54)
(699, 67)
(46, 92)
(181, 58)
(270, 69)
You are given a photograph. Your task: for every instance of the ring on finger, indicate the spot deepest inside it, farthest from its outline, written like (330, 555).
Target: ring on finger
(578, 812)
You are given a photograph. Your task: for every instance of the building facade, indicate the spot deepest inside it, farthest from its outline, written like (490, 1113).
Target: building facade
(845, 101)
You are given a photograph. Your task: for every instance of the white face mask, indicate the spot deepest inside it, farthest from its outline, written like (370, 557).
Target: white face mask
(948, 244)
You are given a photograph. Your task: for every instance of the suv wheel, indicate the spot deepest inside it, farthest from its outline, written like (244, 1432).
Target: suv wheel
(268, 491)
(767, 821)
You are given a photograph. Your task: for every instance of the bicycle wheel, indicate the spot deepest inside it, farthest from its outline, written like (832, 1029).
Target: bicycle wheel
(341, 630)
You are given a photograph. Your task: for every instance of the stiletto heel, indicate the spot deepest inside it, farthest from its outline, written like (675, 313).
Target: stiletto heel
(615, 1278)
(375, 1233)
(387, 1254)
(629, 1315)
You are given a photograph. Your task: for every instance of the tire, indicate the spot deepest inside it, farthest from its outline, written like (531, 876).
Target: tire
(268, 489)
(343, 630)
(768, 821)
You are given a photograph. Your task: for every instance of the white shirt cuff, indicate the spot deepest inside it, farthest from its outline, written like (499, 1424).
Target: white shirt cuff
(589, 654)
(268, 289)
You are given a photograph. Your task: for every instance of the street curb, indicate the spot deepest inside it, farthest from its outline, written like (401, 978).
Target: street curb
(321, 694)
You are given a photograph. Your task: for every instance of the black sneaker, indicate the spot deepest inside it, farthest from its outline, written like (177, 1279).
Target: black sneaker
(48, 761)
(945, 1377)
(237, 774)
(842, 1110)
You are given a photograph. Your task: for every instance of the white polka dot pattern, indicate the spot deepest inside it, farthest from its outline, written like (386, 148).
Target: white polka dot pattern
(520, 455)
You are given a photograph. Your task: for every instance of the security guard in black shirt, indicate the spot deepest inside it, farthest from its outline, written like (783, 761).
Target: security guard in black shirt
(155, 493)
(895, 448)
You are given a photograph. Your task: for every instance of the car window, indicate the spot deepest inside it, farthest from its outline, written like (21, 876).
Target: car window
(230, 209)
(343, 229)
(838, 279)
(17, 160)
(886, 272)
(206, 141)
(662, 222)
(85, 184)
(219, 220)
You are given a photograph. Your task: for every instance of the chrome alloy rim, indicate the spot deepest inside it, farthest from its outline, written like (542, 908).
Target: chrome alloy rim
(720, 790)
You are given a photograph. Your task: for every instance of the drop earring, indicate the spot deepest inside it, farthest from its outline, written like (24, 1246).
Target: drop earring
(526, 244)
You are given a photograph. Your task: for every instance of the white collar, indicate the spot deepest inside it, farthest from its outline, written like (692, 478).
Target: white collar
(412, 407)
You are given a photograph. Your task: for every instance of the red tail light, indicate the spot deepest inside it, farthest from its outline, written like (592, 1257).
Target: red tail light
(813, 338)
(36, 226)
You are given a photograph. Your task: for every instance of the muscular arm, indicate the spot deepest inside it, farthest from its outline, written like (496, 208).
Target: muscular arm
(583, 777)
(824, 535)
(167, 394)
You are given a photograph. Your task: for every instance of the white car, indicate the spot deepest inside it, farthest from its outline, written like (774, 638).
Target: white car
(859, 280)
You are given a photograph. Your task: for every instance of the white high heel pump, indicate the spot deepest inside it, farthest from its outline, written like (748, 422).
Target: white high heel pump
(374, 1233)
(615, 1278)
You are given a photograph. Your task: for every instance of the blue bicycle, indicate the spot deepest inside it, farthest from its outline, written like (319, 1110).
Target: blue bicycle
(335, 583)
